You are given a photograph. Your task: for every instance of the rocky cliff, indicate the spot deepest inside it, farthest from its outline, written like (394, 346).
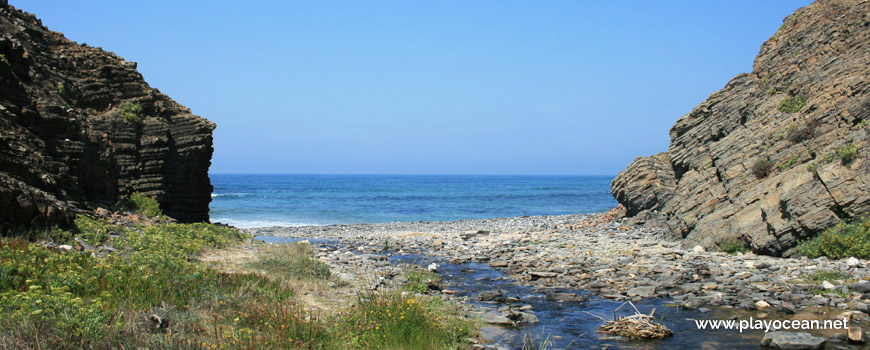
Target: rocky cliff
(778, 154)
(81, 128)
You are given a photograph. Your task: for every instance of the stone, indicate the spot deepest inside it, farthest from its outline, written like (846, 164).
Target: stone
(856, 335)
(498, 263)
(723, 176)
(433, 267)
(542, 274)
(792, 341)
(861, 286)
(828, 285)
(493, 317)
(853, 262)
(761, 305)
(643, 292)
(698, 249)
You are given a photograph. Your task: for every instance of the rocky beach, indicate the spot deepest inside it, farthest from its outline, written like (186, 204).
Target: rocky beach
(574, 257)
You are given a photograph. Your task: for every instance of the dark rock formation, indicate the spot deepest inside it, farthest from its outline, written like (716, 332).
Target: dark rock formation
(778, 154)
(81, 129)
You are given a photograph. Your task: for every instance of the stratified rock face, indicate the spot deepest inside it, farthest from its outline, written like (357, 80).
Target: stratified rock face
(778, 154)
(81, 128)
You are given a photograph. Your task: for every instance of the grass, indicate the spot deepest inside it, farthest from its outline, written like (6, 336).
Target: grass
(733, 246)
(292, 261)
(791, 104)
(64, 299)
(846, 239)
(819, 276)
(790, 162)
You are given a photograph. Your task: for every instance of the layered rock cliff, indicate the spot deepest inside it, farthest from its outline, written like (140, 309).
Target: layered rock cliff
(81, 129)
(778, 154)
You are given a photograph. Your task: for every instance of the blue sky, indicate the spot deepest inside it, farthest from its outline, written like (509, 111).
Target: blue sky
(429, 87)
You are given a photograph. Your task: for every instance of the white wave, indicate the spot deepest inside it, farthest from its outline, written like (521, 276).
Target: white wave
(259, 223)
(213, 195)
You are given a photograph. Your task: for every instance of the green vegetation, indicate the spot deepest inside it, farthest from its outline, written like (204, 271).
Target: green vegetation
(393, 321)
(421, 281)
(791, 104)
(141, 204)
(766, 79)
(862, 124)
(733, 246)
(790, 162)
(846, 239)
(143, 274)
(813, 167)
(846, 153)
(132, 112)
(3, 58)
(771, 91)
(762, 168)
(819, 276)
(60, 88)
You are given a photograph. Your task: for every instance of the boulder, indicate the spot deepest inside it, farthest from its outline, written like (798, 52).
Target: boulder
(792, 341)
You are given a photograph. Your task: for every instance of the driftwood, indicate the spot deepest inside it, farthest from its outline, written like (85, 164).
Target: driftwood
(637, 326)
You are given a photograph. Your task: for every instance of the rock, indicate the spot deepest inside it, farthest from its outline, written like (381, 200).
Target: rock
(761, 305)
(84, 245)
(565, 297)
(853, 262)
(737, 166)
(863, 307)
(828, 285)
(498, 263)
(643, 292)
(856, 335)
(493, 317)
(492, 295)
(433, 267)
(542, 274)
(81, 127)
(792, 341)
(698, 249)
(861, 286)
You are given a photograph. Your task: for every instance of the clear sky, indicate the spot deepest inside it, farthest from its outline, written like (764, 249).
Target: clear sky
(429, 87)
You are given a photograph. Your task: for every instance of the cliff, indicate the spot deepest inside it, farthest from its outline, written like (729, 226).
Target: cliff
(81, 129)
(778, 154)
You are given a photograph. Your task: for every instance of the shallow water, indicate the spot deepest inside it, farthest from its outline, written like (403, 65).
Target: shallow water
(567, 324)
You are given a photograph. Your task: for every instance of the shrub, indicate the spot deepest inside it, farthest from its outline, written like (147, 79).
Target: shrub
(846, 153)
(131, 111)
(801, 133)
(813, 167)
(733, 246)
(141, 204)
(791, 104)
(762, 168)
(844, 240)
(421, 281)
(790, 162)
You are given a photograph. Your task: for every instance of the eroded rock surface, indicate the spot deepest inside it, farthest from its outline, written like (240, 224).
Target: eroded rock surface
(778, 154)
(81, 128)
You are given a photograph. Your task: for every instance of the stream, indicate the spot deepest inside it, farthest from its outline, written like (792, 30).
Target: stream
(565, 324)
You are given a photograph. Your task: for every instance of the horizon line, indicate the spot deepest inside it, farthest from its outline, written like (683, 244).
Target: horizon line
(410, 174)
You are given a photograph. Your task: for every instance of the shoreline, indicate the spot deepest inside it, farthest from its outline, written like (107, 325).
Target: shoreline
(595, 253)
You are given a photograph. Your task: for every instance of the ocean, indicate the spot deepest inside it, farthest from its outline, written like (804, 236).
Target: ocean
(293, 200)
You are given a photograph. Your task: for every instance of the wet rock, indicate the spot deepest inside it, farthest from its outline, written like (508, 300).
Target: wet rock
(792, 341)
(493, 317)
(643, 292)
(493, 295)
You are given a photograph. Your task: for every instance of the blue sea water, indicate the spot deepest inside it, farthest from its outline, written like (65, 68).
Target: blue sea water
(289, 200)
